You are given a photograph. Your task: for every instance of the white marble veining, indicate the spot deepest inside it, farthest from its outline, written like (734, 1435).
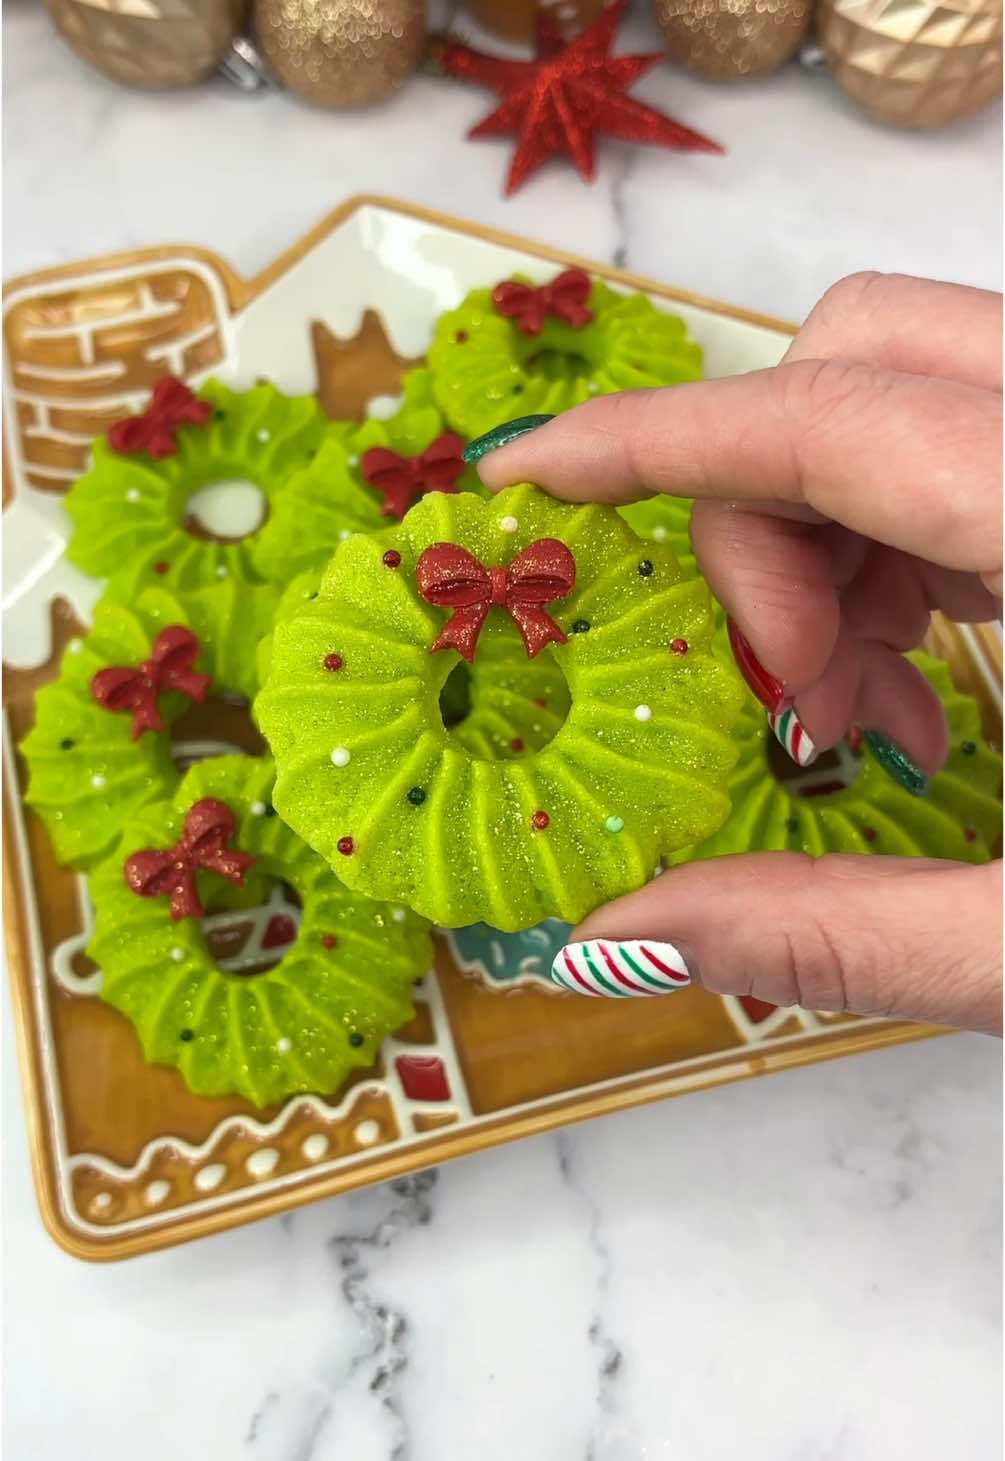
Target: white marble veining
(804, 1268)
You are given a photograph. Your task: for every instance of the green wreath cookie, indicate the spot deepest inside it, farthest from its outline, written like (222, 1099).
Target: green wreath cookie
(360, 482)
(302, 1024)
(517, 350)
(131, 511)
(371, 777)
(101, 742)
(960, 816)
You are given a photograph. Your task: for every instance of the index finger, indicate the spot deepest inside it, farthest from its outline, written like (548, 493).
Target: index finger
(909, 461)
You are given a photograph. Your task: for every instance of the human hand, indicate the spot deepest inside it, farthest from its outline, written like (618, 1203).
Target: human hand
(840, 498)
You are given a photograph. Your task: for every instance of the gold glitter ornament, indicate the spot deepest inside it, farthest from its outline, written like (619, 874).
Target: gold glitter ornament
(914, 62)
(517, 19)
(729, 40)
(341, 53)
(150, 43)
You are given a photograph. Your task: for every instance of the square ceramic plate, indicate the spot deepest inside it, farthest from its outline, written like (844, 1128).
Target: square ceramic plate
(125, 1158)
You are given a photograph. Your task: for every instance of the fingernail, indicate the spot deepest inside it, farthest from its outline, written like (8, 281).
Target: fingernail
(896, 762)
(619, 970)
(499, 436)
(769, 691)
(854, 737)
(791, 736)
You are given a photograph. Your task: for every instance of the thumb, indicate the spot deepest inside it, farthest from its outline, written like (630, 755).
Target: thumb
(905, 937)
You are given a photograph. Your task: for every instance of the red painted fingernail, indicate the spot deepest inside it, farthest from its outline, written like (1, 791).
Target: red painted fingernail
(769, 691)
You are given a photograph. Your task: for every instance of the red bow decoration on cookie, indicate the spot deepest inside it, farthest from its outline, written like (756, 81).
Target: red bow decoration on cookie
(565, 298)
(174, 652)
(404, 479)
(451, 577)
(156, 873)
(171, 405)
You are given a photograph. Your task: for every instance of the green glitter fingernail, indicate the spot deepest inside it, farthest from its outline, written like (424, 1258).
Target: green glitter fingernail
(500, 435)
(896, 763)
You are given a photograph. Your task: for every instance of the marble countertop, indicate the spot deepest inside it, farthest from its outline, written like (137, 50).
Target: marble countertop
(804, 1268)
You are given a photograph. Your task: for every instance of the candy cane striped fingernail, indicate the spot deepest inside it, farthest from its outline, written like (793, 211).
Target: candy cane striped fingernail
(792, 737)
(620, 970)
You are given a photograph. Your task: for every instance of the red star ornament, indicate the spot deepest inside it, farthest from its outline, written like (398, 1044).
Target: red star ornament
(569, 94)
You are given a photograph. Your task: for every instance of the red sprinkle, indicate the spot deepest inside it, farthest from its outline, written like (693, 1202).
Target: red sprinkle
(869, 833)
(516, 744)
(461, 336)
(330, 941)
(392, 558)
(543, 704)
(333, 661)
(346, 846)
(970, 834)
(679, 646)
(160, 566)
(540, 820)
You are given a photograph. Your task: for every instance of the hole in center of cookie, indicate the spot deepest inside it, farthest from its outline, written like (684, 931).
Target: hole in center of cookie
(833, 771)
(250, 941)
(509, 707)
(455, 696)
(220, 726)
(225, 512)
(557, 364)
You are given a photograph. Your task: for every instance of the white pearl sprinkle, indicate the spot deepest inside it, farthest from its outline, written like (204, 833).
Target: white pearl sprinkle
(221, 571)
(257, 809)
(643, 712)
(508, 524)
(133, 495)
(367, 1132)
(344, 533)
(592, 387)
(659, 533)
(340, 756)
(263, 434)
(314, 1146)
(75, 646)
(284, 1044)
(102, 1199)
(98, 782)
(177, 954)
(398, 914)
(353, 461)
